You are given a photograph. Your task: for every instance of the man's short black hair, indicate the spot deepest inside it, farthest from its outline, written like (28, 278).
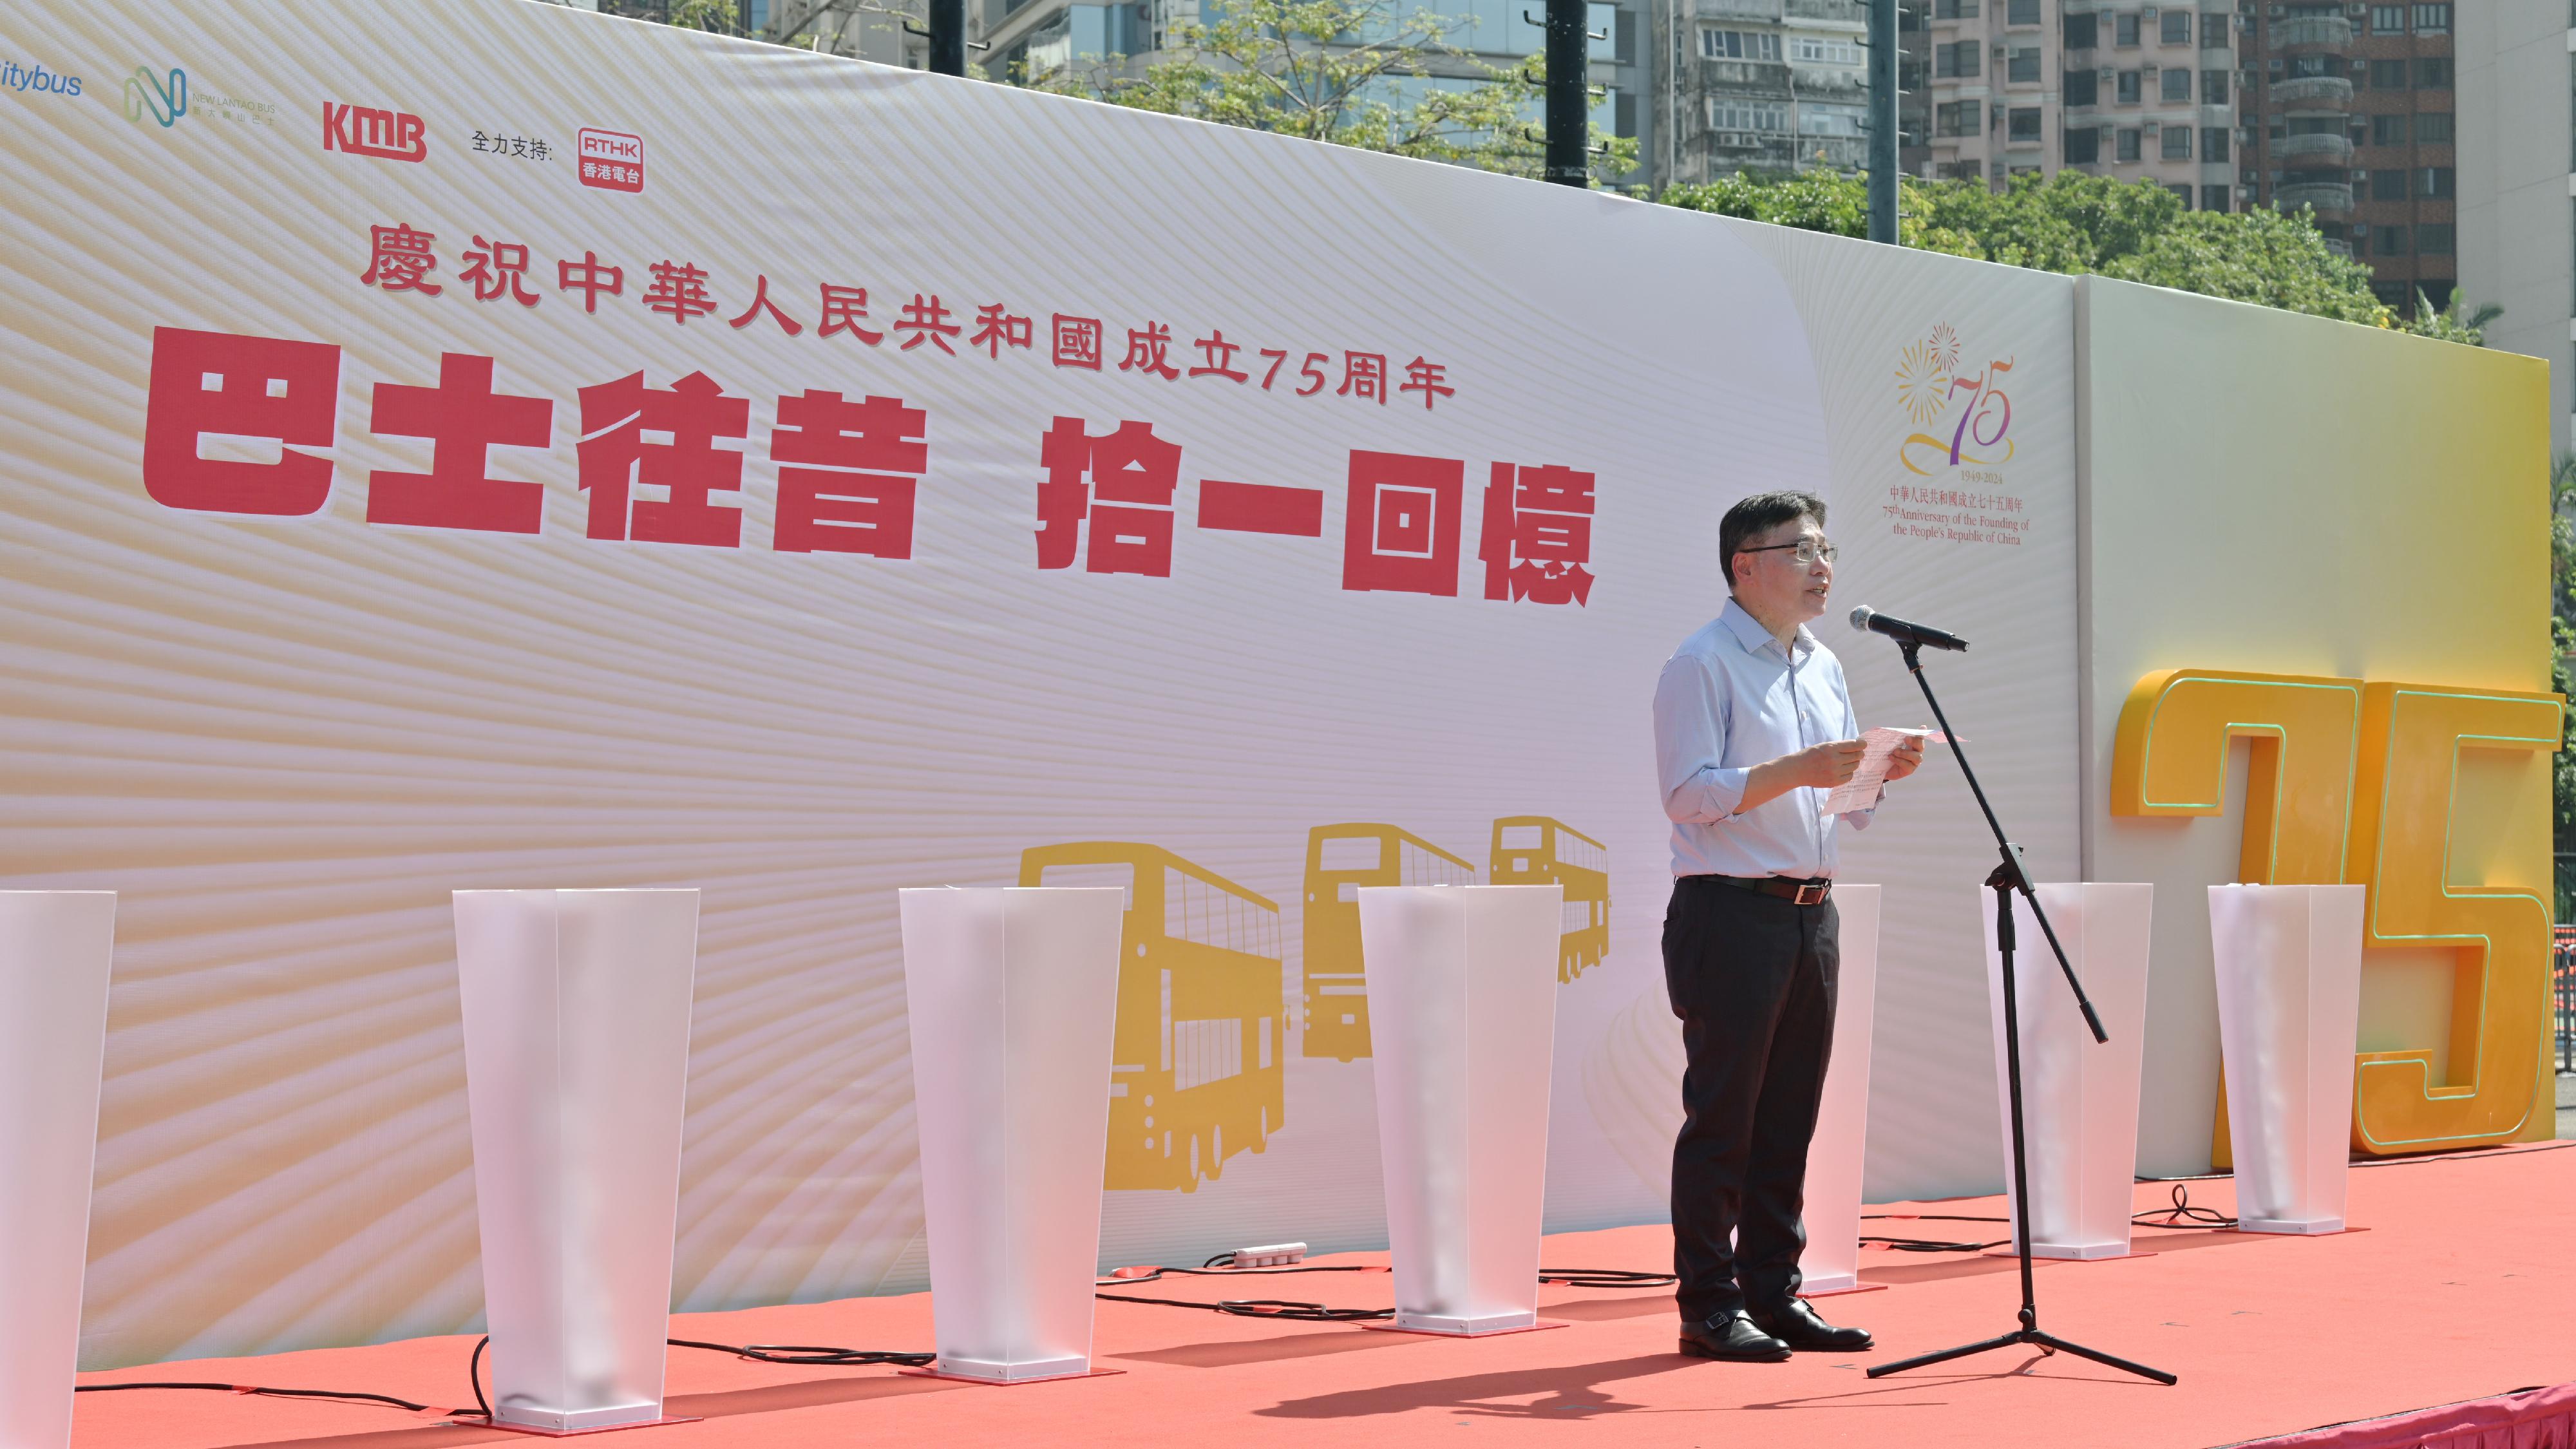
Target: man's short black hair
(1759, 514)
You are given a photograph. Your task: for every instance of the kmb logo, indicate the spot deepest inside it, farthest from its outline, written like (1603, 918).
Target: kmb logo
(387, 135)
(611, 159)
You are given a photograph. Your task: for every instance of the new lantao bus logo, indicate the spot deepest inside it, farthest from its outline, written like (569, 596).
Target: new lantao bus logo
(363, 131)
(163, 97)
(1930, 384)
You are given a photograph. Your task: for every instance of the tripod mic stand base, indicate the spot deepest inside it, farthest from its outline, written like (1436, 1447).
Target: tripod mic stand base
(2047, 1342)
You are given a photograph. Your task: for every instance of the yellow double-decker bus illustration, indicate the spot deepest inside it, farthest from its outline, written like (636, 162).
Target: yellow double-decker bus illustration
(1339, 860)
(1534, 850)
(1196, 1072)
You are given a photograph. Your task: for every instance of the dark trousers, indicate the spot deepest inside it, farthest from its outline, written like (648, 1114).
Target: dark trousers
(1752, 978)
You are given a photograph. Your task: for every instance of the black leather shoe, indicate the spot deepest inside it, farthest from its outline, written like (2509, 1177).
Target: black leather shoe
(1732, 1337)
(1798, 1326)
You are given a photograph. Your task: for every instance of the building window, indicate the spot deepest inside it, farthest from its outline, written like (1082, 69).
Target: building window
(2176, 85)
(1747, 116)
(1954, 9)
(2081, 33)
(2432, 72)
(1959, 118)
(1738, 45)
(2213, 88)
(2128, 145)
(2181, 191)
(2022, 12)
(2436, 183)
(2388, 75)
(2177, 145)
(2021, 125)
(1958, 59)
(2128, 88)
(2083, 147)
(2213, 145)
(1963, 170)
(2433, 128)
(2387, 19)
(2388, 130)
(2124, 29)
(2432, 19)
(2175, 26)
(2388, 186)
(1824, 52)
(2083, 88)
(2389, 240)
(2214, 198)
(1823, 120)
(2433, 239)
(2023, 68)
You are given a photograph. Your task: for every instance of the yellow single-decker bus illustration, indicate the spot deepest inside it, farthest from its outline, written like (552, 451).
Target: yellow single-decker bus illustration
(1534, 850)
(1196, 1072)
(1339, 860)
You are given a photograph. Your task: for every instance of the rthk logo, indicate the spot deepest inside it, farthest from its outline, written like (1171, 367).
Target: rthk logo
(612, 159)
(386, 135)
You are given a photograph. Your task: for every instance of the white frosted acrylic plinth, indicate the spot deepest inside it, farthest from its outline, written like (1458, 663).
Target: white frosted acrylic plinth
(1831, 1262)
(2289, 1011)
(1462, 1019)
(1013, 995)
(54, 953)
(576, 1007)
(2079, 1097)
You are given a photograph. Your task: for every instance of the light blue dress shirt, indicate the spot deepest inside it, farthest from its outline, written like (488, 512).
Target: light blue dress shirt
(1730, 699)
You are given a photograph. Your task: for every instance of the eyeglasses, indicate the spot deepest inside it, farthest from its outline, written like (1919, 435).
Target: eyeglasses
(1806, 550)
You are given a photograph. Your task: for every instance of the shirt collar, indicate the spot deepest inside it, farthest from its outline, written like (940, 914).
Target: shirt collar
(1748, 631)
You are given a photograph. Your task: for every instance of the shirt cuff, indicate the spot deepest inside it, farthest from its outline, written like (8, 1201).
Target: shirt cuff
(1721, 790)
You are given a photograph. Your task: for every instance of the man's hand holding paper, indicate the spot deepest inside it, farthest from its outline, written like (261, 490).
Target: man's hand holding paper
(1886, 754)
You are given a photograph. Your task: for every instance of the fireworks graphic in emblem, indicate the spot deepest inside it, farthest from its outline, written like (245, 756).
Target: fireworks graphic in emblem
(1923, 377)
(1945, 348)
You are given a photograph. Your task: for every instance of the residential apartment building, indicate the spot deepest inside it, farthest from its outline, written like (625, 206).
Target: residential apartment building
(2150, 94)
(2351, 110)
(2517, 181)
(1982, 87)
(1761, 85)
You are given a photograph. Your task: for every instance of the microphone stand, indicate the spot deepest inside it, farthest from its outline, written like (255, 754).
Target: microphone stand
(2006, 878)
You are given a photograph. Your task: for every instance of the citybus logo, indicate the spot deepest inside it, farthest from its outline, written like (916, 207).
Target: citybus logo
(163, 98)
(1929, 384)
(16, 77)
(385, 135)
(611, 159)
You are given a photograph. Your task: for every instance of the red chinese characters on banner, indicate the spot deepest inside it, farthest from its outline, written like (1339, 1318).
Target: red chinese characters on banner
(1536, 543)
(399, 259)
(497, 268)
(857, 465)
(690, 468)
(1121, 484)
(1401, 530)
(464, 420)
(220, 384)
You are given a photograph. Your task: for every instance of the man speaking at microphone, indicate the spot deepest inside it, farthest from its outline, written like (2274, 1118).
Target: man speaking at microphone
(1753, 726)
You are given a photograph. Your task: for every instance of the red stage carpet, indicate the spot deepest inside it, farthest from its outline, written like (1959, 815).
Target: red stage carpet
(2455, 1290)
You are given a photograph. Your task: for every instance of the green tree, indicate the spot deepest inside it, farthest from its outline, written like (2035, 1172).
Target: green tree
(1351, 72)
(2074, 223)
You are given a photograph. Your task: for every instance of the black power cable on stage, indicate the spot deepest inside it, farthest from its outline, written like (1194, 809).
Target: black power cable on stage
(346, 1395)
(811, 1354)
(1606, 1278)
(1321, 1313)
(2182, 1212)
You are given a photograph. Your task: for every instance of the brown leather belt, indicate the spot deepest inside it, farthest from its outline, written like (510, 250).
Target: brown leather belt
(1799, 892)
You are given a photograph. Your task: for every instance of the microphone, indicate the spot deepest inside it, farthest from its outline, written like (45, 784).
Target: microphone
(1869, 619)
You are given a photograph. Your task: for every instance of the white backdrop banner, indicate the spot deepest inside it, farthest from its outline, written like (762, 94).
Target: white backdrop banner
(475, 445)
